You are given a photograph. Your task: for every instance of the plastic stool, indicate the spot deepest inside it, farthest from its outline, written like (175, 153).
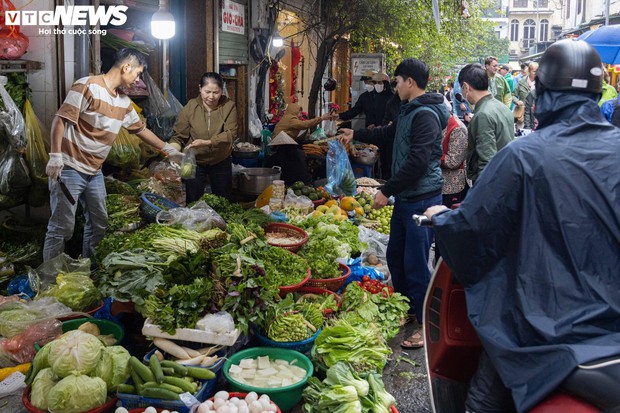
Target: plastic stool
(361, 170)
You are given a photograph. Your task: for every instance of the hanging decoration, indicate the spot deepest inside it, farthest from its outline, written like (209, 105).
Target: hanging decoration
(295, 59)
(276, 92)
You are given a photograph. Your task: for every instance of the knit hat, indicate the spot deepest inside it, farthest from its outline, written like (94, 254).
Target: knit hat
(282, 139)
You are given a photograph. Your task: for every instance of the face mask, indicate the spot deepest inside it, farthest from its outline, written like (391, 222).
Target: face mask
(379, 88)
(369, 88)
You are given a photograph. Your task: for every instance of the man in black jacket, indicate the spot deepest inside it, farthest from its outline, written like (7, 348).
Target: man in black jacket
(371, 103)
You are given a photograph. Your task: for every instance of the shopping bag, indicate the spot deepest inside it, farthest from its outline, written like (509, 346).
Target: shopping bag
(340, 177)
(125, 150)
(188, 164)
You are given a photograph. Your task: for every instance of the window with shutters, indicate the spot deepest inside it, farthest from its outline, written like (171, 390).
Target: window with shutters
(514, 30)
(529, 33)
(544, 30)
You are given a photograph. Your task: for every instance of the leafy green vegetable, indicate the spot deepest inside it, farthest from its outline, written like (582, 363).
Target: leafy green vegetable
(179, 306)
(76, 290)
(113, 366)
(321, 254)
(222, 206)
(115, 186)
(342, 374)
(362, 346)
(75, 394)
(378, 396)
(123, 211)
(75, 352)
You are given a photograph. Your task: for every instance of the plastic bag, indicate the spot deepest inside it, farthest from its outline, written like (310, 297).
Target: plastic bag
(16, 317)
(13, 44)
(340, 177)
(188, 164)
(330, 127)
(301, 202)
(14, 176)
(377, 246)
(36, 154)
(125, 150)
(358, 271)
(21, 348)
(220, 322)
(318, 134)
(200, 217)
(44, 276)
(12, 125)
(161, 111)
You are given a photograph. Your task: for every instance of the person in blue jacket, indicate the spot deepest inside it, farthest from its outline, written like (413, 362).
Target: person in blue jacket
(536, 245)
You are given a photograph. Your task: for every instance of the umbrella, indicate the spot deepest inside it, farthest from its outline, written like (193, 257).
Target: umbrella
(606, 41)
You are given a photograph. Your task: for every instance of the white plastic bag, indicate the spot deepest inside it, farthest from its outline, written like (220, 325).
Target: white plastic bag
(298, 202)
(200, 217)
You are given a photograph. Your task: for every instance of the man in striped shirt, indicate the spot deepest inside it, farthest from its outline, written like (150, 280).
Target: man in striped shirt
(83, 131)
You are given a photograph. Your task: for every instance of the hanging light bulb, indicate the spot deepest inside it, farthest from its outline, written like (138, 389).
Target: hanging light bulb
(277, 40)
(162, 23)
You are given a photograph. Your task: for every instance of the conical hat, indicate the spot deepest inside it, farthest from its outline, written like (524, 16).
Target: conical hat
(282, 139)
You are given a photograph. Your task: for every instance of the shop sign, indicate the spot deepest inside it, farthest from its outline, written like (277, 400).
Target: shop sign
(364, 62)
(233, 17)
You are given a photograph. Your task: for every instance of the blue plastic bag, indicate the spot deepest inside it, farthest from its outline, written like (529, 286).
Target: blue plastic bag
(340, 177)
(358, 271)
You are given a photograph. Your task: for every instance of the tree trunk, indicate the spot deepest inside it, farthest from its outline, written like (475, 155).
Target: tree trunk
(325, 50)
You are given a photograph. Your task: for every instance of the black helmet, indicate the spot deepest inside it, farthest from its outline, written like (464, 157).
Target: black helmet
(570, 65)
(330, 84)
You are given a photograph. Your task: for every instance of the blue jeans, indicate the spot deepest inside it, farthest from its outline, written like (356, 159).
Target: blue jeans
(408, 252)
(90, 191)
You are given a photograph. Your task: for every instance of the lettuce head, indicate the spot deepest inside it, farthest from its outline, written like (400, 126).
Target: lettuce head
(75, 352)
(75, 394)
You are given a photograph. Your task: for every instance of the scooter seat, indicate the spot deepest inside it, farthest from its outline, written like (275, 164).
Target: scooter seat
(598, 383)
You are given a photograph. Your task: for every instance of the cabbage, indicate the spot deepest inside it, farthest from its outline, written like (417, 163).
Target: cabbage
(113, 367)
(39, 363)
(75, 352)
(45, 380)
(75, 290)
(75, 394)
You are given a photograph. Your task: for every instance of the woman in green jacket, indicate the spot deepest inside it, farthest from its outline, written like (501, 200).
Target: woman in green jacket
(208, 124)
(519, 97)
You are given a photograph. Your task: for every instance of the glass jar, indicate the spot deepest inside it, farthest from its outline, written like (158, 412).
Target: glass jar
(278, 189)
(276, 204)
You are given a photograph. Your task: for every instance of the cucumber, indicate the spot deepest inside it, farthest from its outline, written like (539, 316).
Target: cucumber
(126, 388)
(168, 371)
(156, 369)
(144, 372)
(183, 384)
(159, 393)
(178, 368)
(171, 388)
(200, 373)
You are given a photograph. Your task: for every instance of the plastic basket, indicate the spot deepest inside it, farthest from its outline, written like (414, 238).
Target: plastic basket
(288, 229)
(105, 327)
(287, 289)
(151, 205)
(133, 401)
(285, 397)
(302, 346)
(106, 407)
(80, 315)
(242, 396)
(332, 284)
(321, 291)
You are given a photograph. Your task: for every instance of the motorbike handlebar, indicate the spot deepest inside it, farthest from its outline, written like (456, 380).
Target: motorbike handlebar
(421, 220)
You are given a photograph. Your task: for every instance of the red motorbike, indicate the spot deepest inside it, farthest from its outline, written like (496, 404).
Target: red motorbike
(452, 349)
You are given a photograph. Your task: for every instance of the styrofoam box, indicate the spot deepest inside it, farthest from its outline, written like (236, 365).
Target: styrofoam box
(191, 334)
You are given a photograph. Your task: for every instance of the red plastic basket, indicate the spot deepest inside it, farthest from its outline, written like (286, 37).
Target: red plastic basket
(315, 290)
(289, 229)
(108, 406)
(319, 202)
(287, 289)
(332, 284)
(80, 315)
(242, 396)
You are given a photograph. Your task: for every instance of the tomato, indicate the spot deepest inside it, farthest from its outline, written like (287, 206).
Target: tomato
(367, 284)
(359, 283)
(366, 278)
(391, 290)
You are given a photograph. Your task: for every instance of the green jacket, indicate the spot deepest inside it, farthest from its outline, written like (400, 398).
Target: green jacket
(491, 128)
(609, 92)
(500, 89)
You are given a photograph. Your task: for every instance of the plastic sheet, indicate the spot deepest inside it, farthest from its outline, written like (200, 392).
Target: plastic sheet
(200, 217)
(125, 150)
(12, 124)
(318, 134)
(16, 317)
(358, 271)
(44, 276)
(161, 111)
(377, 246)
(36, 154)
(301, 202)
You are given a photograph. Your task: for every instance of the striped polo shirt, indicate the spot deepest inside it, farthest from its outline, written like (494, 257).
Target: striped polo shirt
(94, 116)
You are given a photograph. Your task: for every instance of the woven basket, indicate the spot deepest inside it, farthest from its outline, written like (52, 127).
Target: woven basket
(292, 231)
(332, 284)
(302, 346)
(152, 205)
(287, 289)
(321, 291)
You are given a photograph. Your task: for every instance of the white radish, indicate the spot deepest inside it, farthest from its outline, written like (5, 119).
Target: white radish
(191, 361)
(171, 348)
(191, 351)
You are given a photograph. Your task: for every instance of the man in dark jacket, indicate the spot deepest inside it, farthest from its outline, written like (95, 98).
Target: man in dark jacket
(536, 245)
(415, 183)
(371, 103)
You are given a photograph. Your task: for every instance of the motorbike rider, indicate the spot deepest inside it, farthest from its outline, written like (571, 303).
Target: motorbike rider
(536, 243)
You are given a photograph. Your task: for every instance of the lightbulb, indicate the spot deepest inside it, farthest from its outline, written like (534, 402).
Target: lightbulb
(162, 24)
(277, 41)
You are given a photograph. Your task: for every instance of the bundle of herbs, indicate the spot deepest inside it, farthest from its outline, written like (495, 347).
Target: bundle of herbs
(123, 212)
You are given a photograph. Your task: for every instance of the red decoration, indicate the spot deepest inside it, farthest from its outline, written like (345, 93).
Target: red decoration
(295, 59)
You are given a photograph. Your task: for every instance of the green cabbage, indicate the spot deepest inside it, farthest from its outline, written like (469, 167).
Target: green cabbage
(113, 367)
(75, 394)
(39, 363)
(76, 290)
(75, 352)
(45, 380)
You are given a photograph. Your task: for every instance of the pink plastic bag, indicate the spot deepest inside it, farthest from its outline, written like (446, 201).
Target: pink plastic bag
(21, 348)
(13, 44)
